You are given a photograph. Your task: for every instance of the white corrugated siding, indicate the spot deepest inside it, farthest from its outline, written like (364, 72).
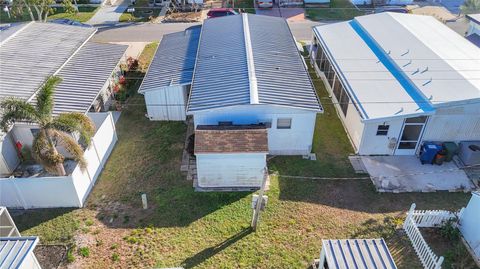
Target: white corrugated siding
(167, 103)
(230, 170)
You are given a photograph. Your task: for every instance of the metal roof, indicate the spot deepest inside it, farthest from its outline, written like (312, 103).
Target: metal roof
(84, 76)
(34, 52)
(474, 17)
(250, 59)
(13, 250)
(174, 60)
(474, 38)
(410, 72)
(357, 253)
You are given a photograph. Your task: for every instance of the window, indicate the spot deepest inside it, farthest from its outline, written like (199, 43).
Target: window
(382, 129)
(337, 88)
(284, 123)
(344, 101)
(35, 131)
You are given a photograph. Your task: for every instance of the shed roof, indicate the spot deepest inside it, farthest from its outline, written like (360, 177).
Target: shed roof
(231, 139)
(250, 59)
(13, 250)
(474, 17)
(34, 52)
(357, 253)
(85, 75)
(174, 60)
(410, 72)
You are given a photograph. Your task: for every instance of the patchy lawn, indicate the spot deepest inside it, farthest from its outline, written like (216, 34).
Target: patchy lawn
(338, 10)
(210, 230)
(84, 14)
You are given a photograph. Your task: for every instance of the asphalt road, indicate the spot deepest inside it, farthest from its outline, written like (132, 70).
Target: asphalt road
(148, 32)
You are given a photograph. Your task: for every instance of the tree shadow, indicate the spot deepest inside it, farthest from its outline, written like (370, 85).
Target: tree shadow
(212, 251)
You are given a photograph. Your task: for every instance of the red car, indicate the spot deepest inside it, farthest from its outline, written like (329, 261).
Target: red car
(221, 12)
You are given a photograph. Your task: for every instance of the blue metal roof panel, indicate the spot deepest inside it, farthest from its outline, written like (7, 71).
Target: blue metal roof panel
(13, 250)
(174, 60)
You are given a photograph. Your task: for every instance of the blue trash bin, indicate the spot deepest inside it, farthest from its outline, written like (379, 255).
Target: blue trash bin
(429, 151)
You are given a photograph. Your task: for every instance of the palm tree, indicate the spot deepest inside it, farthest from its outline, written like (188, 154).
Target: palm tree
(470, 6)
(54, 130)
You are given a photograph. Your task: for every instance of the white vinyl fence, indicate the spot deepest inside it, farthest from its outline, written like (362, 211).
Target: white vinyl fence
(425, 218)
(64, 191)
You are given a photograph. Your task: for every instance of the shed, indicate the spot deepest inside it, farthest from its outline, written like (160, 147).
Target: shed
(166, 85)
(230, 156)
(355, 253)
(393, 92)
(17, 253)
(470, 223)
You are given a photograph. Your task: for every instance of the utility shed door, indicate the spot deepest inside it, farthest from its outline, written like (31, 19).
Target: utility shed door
(9, 159)
(167, 103)
(230, 170)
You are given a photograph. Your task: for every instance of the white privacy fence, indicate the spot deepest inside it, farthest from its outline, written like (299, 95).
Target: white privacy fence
(425, 218)
(63, 191)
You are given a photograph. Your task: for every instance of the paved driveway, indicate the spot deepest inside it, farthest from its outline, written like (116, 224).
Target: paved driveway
(289, 13)
(109, 14)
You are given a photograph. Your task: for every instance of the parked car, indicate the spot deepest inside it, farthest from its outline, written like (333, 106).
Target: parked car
(265, 3)
(70, 22)
(221, 12)
(395, 9)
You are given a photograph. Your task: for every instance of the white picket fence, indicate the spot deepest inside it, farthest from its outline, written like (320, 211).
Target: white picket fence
(432, 218)
(425, 218)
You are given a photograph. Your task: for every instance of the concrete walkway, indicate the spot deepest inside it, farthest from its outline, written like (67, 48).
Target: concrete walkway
(109, 14)
(407, 174)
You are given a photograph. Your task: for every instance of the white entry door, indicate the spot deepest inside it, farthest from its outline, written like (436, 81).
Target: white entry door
(411, 135)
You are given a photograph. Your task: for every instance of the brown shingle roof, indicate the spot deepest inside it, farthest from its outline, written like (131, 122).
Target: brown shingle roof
(230, 140)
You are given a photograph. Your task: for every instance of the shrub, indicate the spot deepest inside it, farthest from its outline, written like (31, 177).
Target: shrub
(84, 251)
(115, 257)
(449, 231)
(70, 256)
(132, 64)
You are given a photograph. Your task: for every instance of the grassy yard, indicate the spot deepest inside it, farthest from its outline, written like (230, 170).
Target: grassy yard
(84, 14)
(338, 10)
(142, 12)
(210, 230)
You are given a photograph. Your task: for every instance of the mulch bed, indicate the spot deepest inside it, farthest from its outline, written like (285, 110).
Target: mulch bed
(50, 256)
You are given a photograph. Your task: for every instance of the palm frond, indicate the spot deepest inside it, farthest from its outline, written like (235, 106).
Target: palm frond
(44, 154)
(75, 122)
(13, 109)
(45, 97)
(71, 146)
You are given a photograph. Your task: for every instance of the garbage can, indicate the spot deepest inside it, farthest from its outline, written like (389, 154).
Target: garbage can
(451, 149)
(429, 151)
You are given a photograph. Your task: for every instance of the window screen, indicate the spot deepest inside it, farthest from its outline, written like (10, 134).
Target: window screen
(284, 123)
(382, 129)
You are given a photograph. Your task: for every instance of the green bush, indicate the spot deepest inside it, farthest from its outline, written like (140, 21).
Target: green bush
(449, 231)
(115, 257)
(70, 256)
(84, 251)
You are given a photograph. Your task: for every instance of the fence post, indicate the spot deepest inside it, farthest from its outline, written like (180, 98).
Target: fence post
(409, 215)
(438, 265)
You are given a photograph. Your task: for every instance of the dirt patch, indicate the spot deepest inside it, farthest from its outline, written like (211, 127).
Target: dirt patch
(454, 252)
(183, 17)
(50, 256)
